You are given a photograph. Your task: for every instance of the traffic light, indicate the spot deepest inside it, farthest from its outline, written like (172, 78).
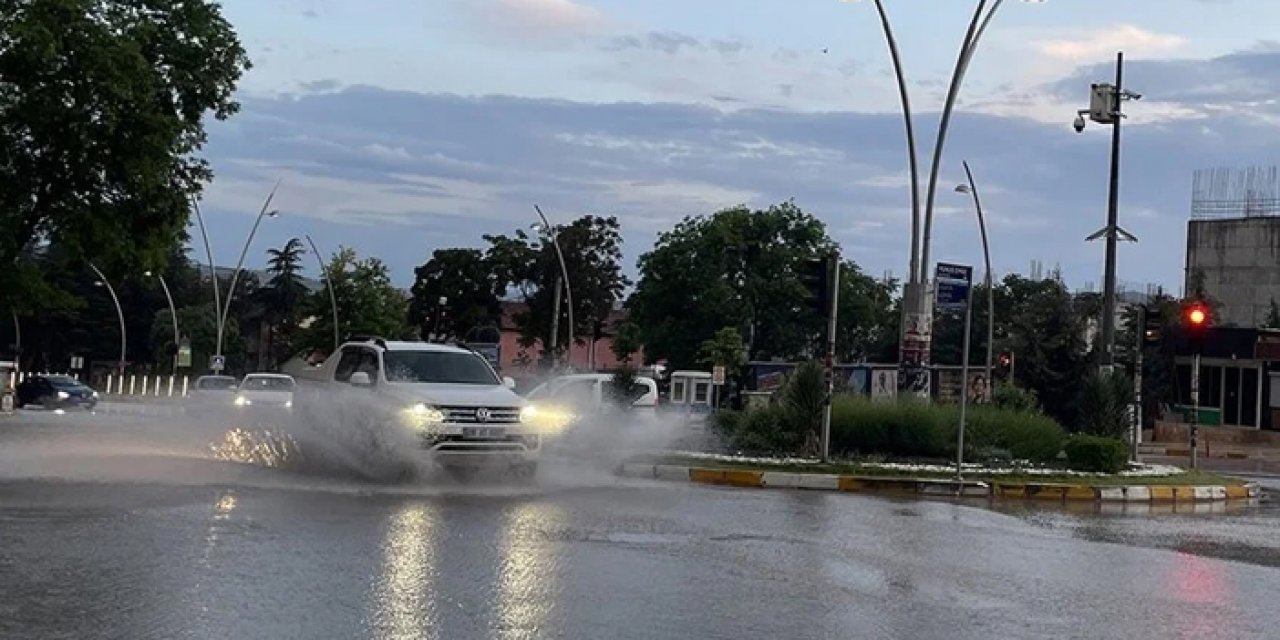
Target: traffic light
(817, 279)
(1196, 317)
(1152, 324)
(1004, 361)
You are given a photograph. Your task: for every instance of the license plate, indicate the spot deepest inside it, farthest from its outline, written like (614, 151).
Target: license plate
(482, 432)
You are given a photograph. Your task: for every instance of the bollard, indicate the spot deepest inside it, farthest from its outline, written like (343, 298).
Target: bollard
(184, 386)
(170, 394)
(158, 381)
(120, 385)
(108, 384)
(132, 380)
(144, 384)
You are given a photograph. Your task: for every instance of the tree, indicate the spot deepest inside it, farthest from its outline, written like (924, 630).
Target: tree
(102, 114)
(282, 298)
(724, 349)
(626, 341)
(1046, 334)
(368, 303)
(867, 324)
(1272, 321)
(738, 268)
(472, 289)
(592, 247)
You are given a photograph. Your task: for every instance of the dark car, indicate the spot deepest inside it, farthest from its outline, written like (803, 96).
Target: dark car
(56, 392)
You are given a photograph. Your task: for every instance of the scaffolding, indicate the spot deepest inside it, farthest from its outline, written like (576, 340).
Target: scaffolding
(1250, 192)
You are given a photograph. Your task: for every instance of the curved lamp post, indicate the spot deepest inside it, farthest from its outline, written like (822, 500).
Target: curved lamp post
(235, 275)
(972, 189)
(103, 282)
(333, 299)
(173, 313)
(213, 274)
(564, 273)
(916, 303)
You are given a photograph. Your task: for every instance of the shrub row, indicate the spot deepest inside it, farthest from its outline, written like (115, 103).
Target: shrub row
(902, 429)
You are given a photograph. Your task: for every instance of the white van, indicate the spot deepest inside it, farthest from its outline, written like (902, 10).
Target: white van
(591, 392)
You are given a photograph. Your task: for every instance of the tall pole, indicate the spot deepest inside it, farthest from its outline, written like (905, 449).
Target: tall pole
(1113, 205)
(833, 297)
(1195, 407)
(905, 98)
(1140, 334)
(964, 381)
(555, 326)
(564, 273)
(119, 314)
(173, 313)
(235, 275)
(213, 274)
(333, 298)
(986, 257)
(17, 337)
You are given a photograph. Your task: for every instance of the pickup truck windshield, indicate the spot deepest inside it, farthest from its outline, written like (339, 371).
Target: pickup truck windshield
(267, 383)
(438, 367)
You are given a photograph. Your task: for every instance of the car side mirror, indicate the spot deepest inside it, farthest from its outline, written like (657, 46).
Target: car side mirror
(509, 382)
(361, 379)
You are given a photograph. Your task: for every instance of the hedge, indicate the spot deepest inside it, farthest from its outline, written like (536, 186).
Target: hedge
(1093, 453)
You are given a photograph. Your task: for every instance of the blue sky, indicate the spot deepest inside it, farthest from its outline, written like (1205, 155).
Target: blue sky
(401, 126)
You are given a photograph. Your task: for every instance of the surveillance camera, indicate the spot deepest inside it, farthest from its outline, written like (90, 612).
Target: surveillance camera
(1079, 124)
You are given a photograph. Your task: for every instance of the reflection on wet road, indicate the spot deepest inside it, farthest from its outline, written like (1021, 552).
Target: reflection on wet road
(284, 556)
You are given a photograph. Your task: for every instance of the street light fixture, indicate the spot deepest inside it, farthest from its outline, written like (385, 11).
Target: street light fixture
(103, 282)
(173, 313)
(545, 227)
(1105, 102)
(971, 188)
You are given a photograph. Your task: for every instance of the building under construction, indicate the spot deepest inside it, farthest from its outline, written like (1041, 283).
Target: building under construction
(1233, 242)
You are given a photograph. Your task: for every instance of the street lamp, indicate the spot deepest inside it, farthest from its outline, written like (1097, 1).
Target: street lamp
(917, 307)
(972, 189)
(546, 227)
(173, 312)
(220, 311)
(333, 298)
(103, 282)
(1105, 108)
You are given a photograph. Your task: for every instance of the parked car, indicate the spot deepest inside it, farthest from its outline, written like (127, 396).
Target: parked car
(592, 393)
(56, 392)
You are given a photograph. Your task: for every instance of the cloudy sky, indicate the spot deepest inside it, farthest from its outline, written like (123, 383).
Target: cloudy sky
(400, 126)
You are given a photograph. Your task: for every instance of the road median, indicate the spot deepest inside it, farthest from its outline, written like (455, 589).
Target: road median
(1177, 487)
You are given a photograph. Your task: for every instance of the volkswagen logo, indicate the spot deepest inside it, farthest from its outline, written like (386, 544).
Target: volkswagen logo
(482, 415)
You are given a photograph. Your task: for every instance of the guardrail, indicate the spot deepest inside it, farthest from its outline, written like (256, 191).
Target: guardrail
(121, 385)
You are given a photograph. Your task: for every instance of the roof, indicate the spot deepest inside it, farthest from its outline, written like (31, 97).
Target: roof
(264, 374)
(595, 376)
(406, 345)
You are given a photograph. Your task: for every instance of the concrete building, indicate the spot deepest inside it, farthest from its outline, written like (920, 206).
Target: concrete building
(1237, 262)
(1233, 242)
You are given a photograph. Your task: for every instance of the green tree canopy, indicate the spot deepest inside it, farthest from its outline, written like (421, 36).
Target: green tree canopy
(368, 303)
(102, 110)
(471, 286)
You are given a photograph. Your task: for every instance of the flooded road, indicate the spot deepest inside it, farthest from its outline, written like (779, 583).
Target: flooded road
(111, 527)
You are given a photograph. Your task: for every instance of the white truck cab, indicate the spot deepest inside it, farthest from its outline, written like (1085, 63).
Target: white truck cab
(451, 398)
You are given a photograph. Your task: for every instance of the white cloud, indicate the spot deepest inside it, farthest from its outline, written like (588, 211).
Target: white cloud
(1091, 45)
(535, 22)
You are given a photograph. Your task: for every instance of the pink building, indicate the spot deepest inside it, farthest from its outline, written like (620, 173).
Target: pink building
(588, 355)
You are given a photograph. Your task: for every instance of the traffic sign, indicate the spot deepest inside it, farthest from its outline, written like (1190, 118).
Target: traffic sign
(217, 363)
(717, 374)
(184, 354)
(952, 284)
(77, 363)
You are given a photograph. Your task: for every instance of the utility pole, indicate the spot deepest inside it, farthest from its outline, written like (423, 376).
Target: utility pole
(833, 305)
(1140, 346)
(1105, 108)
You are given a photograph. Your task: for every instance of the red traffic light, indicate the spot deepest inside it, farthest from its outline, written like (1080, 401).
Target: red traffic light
(1197, 316)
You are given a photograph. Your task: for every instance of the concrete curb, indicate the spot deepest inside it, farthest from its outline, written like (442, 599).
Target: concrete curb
(935, 487)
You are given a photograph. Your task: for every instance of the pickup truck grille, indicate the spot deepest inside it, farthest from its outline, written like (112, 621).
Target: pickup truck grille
(473, 415)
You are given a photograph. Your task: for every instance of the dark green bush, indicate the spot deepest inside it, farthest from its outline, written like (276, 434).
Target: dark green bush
(763, 431)
(1104, 404)
(993, 432)
(1092, 453)
(1015, 398)
(912, 429)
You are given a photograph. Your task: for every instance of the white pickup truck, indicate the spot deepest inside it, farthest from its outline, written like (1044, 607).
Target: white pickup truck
(450, 399)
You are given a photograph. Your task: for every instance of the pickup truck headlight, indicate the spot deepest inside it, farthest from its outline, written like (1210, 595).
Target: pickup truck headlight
(528, 414)
(546, 418)
(242, 401)
(63, 395)
(422, 416)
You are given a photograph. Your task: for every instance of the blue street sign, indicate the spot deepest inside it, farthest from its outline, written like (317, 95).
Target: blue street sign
(951, 285)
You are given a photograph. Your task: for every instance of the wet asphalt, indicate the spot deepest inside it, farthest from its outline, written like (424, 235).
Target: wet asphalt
(116, 527)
